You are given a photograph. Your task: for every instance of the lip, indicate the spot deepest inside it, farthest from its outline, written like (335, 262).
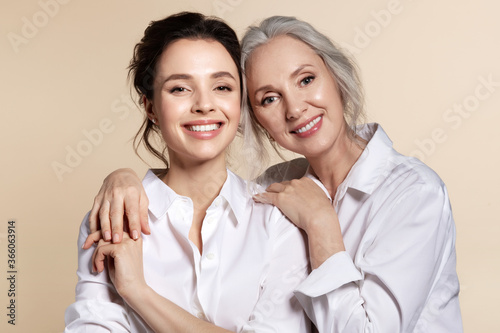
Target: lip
(310, 131)
(203, 135)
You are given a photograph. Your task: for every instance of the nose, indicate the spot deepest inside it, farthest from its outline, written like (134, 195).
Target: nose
(295, 106)
(203, 103)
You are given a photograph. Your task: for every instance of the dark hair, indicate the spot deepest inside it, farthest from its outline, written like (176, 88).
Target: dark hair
(157, 36)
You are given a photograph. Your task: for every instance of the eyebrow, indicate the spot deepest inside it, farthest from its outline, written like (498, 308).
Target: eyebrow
(266, 87)
(222, 74)
(294, 73)
(299, 69)
(190, 77)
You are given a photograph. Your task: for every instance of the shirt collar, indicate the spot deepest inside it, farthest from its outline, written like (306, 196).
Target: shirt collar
(161, 196)
(236, 193)
(365, 173)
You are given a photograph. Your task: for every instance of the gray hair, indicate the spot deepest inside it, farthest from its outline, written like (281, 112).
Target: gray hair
(342, 67)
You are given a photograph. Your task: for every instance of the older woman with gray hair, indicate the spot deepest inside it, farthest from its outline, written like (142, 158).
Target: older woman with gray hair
(379, 224)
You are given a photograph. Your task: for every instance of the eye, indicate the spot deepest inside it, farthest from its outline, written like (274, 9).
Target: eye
(177, 89)
(268, 100)
(307, 80)
(223, 88)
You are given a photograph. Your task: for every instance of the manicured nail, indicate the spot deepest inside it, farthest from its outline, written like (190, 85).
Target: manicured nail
(116, 238)
(107, 236)
(135, 234)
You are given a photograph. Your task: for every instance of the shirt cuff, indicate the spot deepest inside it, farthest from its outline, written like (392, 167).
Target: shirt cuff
(335, 272)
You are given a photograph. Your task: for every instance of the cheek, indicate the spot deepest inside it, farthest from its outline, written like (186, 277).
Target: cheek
(270, 122)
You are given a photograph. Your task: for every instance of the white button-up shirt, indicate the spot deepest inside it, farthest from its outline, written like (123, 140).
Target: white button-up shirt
(398, 272)
(252, 260)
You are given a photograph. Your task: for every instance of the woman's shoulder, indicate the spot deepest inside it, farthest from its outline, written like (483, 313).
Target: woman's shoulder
(410, 171)
(240, 194)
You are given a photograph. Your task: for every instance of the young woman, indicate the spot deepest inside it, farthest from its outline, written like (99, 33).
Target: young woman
(379, 224)
(215, 261)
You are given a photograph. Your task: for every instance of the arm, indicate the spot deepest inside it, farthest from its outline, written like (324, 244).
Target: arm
(125, 269)
(389, 282)
(394, 272)
(121, 195)
(97, 307)
(102, 300)
(307, 206)
(276, 310)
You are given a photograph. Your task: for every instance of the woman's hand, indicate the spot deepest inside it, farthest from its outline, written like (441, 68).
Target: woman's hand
(121, 198)
(307, 206)
(124, 263)
(301, 200)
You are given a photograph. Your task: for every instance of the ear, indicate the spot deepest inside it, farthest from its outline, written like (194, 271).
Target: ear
(148, 107)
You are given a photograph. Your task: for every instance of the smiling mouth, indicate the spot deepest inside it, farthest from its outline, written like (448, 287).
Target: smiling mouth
(308, 126)
(204, 128)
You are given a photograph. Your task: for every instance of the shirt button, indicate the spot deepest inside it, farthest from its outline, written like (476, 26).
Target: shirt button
(210, 220)
(217, 202)
(201, 315)
(210, 256)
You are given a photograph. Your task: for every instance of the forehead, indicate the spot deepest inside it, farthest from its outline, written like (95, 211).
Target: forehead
(195, 54)
(277, 60)
(282, 51)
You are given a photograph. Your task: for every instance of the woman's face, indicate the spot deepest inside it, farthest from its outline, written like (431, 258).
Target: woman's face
(196, 100)
(295, 97)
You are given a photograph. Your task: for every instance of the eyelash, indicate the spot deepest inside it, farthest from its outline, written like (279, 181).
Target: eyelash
(181, 89)
(265, 100)
(177, 89)
(221, 88)
(310, 78)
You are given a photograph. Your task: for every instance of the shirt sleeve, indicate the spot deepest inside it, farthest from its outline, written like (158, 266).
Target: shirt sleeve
(386, 286)
(277, 309)
(97, 307)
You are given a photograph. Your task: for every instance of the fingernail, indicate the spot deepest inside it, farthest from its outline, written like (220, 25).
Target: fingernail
(116, 238)
(107, 236)
(260, 199)
(135, 234)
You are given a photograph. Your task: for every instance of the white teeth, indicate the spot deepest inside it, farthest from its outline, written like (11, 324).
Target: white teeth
(309, 126)
(203, 128)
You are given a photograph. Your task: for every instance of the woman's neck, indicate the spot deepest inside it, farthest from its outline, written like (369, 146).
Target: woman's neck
(332, 168)
(200, 181)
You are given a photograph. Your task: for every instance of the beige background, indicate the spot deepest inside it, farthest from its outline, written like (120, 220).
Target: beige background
(64, 77)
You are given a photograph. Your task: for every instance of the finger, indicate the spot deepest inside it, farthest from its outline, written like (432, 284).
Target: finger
(265, 198)
(143, 212)
(116, 213)
(94, 214)
(92, 239)
(277, 187)
(132, 213)
(99, 256)
(104, 221)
